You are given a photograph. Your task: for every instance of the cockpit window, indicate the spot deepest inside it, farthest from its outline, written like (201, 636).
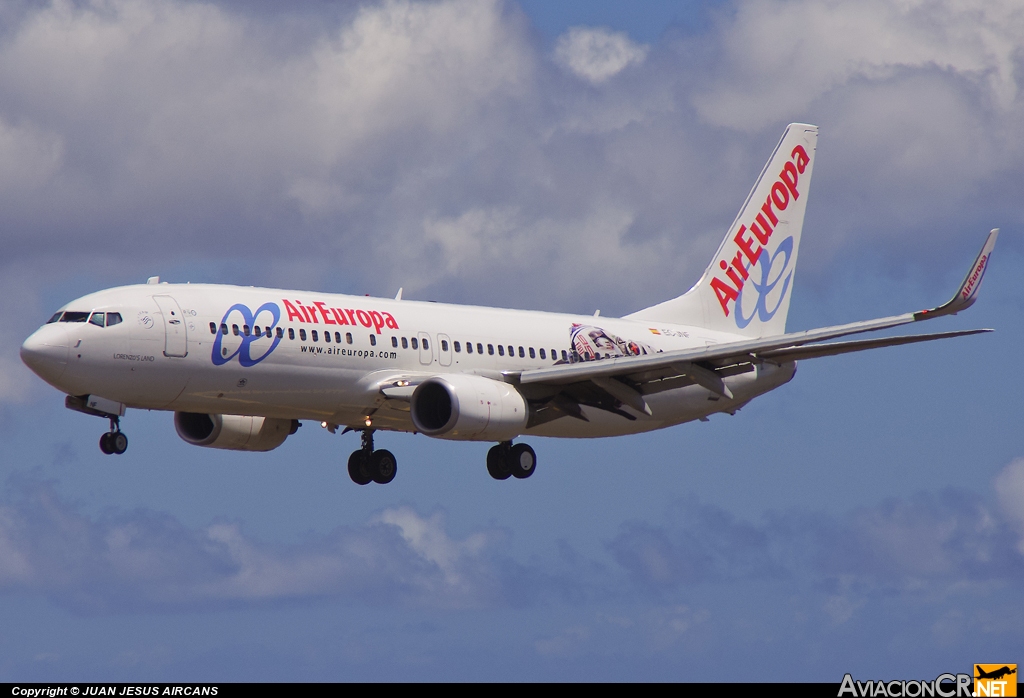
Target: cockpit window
(113, 319)
(97, 319)
(56, 317)
(72, 316)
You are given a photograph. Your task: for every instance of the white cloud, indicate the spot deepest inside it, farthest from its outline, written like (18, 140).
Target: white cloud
(781, 55)
(596, 54)
(1010, 492)
(144, 560)
(429, 144)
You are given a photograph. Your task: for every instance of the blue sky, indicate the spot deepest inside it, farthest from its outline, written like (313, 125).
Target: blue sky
(867, 517)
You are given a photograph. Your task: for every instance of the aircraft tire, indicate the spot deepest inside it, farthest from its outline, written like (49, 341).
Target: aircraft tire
(118, 442)
(384, 466)
(522, 461)
(105, 443)
(356, 469)
(497, 465)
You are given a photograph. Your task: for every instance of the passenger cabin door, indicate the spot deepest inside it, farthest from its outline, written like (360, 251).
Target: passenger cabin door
(175, 333)
(426, 351)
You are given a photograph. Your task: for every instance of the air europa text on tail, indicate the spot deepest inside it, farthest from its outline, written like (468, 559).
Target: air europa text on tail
(751, 242)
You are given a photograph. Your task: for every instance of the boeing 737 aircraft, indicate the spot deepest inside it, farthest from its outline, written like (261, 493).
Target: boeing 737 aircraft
(241, 366)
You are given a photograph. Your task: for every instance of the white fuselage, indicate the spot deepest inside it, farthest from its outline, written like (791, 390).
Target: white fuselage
(171, 352)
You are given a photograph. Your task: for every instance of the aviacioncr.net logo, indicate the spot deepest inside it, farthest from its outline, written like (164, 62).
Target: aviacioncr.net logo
(267, 316)
(773, 270)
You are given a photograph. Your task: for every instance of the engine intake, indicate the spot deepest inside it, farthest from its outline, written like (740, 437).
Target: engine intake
(233, 432)
(471, 408)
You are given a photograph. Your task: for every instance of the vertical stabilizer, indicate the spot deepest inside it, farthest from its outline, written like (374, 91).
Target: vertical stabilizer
(747, 287)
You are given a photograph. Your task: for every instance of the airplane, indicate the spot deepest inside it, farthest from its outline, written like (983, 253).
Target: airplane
(995, 674)
(242, 367)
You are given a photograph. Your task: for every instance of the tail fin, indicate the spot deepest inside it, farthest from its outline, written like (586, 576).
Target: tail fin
(748, 285)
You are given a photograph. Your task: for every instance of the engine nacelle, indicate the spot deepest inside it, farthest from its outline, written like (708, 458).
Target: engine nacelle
(473, 408)
(232, 431)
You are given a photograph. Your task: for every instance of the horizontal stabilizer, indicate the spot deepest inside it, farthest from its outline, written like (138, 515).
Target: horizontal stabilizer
(814, 351)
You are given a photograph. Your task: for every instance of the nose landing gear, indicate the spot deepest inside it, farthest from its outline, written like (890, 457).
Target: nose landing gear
(367, 465)
(114, 441)
(507, 460)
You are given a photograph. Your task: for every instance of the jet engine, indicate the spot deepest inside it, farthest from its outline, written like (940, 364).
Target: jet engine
(467, 407)
(233, 432)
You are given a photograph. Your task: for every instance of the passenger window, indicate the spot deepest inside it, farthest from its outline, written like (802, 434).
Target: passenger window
(223, 328)
(458, 347)
(490, 349)
(113, 319)
(55, 317)
(542, 354)
(257, 331)
(280, 333)
(469, 347)
(337, 337)
(480, 348)
(444, 345)
(291, 333)
(270, 334)
(213, 328)
(405, 343)
(315, 337)
(302, 335)
(501, 350)
(97, 319)
(426, 345)
(415, 343)
(511, 350)
(373, 340)
(522, 354)
(554, 355)
(234, 330)
(565, 357)
(327, 337)
(394, 342)
(348, 338)
(532, 356)
(245, 330)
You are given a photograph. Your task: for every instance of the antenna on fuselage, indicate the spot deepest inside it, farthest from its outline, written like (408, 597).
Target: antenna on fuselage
(153, 280)
(398, 296)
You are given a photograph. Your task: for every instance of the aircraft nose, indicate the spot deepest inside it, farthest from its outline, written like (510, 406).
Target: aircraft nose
(46, 352)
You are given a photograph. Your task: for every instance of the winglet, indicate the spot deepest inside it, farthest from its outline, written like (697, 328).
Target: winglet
(968, 292)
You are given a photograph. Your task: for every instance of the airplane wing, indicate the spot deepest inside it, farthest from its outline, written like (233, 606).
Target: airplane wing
(610, 383)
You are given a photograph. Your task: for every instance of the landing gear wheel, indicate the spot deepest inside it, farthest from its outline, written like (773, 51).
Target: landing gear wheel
(497, 463)
(114, 442)
(118, 442)
(522, 461)
(383, 466)
(357, 468)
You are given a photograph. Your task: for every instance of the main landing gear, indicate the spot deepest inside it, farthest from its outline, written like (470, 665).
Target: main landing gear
(366, 465)
(507, 460)
(114, 441)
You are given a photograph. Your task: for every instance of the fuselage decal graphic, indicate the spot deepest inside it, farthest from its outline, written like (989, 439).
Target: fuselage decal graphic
(244, 351)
